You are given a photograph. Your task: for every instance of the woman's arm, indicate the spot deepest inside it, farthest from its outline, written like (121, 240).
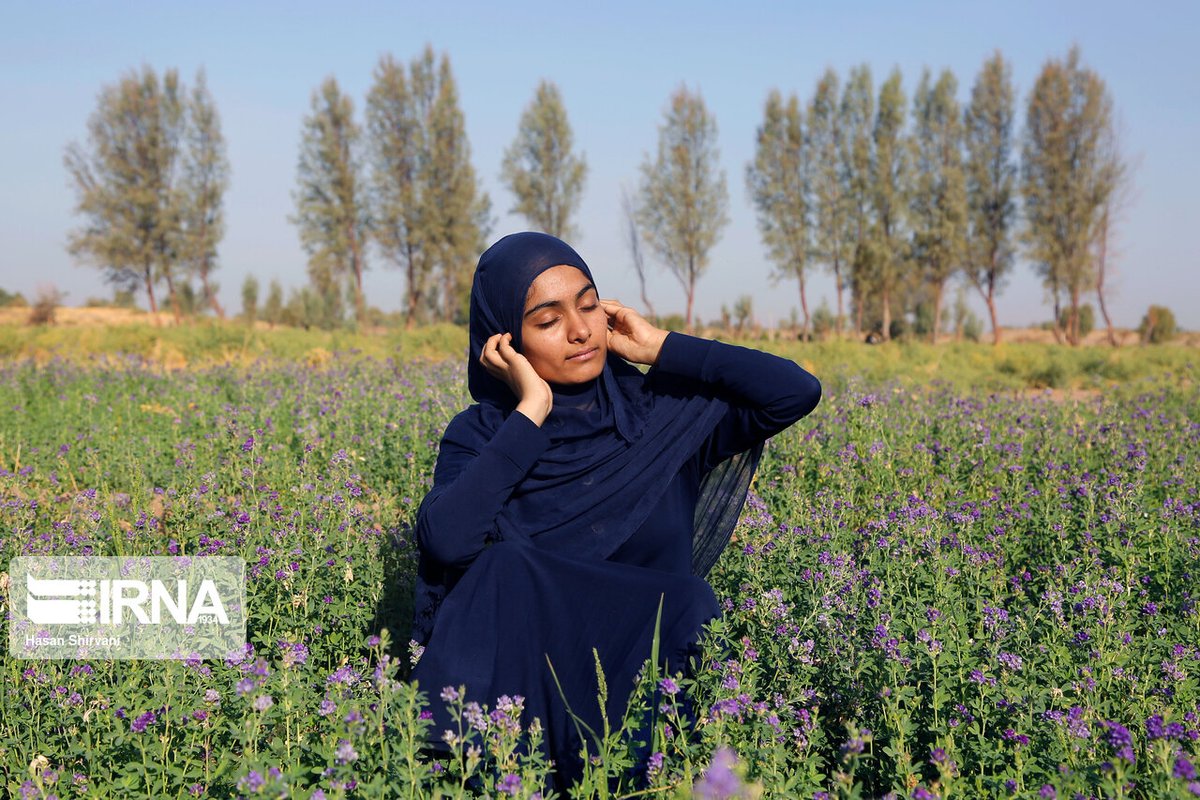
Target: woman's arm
(768, 393)
(470, 486)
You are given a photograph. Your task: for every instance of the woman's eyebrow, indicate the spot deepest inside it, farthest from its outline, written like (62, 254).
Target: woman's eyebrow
(549, 303)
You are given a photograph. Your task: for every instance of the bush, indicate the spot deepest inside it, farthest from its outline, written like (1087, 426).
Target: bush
(11, 300)
(44, 305)
(1158, 325)
(1087, 319)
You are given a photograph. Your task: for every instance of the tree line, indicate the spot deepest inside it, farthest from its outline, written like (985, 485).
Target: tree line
(894, 198)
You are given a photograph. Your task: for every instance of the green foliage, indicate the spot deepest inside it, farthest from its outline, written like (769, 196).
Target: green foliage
(938, 202)
(1158, 325)
(823, 320)
(429, 214)
(891, 174)
(831, 210)
(149, 184)
(1087, 319)
(1069, 174)
(539, 168)
(684, 201)
(12, 299)
(779, 182)
(250, 299)
(331, 211)
(990, 178)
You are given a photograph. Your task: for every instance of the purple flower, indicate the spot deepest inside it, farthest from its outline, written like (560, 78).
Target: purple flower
(510, 784)
(719, 781)
(252, 781)
(263, 702)
(668, 686)
(248, 445)
(1184, 770)
(654, 764)
(921, 793)
(144, 721)
(1047, 791)
(345, 752)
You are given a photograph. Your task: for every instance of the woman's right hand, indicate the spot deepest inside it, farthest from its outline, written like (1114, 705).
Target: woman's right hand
(501, 360)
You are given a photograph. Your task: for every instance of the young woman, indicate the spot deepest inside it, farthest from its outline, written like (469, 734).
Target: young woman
(578, 492)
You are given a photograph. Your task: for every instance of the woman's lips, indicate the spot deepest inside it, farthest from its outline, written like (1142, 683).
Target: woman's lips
(586, 355)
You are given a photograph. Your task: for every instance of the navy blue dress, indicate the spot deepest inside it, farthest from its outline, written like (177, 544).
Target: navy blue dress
(517, 605)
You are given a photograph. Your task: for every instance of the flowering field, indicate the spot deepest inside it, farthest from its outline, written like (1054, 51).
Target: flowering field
(933, 592)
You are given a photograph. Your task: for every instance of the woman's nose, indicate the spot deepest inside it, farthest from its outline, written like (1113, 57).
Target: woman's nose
(579, 330)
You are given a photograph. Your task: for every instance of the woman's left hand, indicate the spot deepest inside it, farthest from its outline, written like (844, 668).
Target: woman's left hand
(630, 335)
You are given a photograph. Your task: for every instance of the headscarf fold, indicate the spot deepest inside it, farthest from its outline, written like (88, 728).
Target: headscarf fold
(616, 442)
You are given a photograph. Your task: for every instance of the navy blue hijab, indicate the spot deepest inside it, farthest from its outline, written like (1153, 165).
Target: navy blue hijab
(616, 441)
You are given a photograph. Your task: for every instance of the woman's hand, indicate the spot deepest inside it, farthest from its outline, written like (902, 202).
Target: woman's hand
(501, 360)
(630, 335)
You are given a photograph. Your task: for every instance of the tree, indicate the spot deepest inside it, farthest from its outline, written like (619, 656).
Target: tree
(539, 167)
(127, 183)
(633, 242)
(1066, 180)
(990, 183)
(856, 113)
(206, 178)
(778, 181)
(830, 212)
(1115, 172)
(939, 197)
(273, 309)
(889, 195)
(684, 200)
(430, 216)
(250, 299)
(330, 207)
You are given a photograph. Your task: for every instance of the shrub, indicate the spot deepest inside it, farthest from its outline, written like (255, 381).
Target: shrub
(1158, 325)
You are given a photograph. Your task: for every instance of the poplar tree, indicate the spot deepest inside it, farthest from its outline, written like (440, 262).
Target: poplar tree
(684, 200)
(330, 204)
(939, 193)
(778, 180)
(1066, 180)
(540, 169)
(990, 182)
(831, 240)
(206, 179)
(458, 212)
(398, 112)
(128, 183)
(890, 174)
(856, 114)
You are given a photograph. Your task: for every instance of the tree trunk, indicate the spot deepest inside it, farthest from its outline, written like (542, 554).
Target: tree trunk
(146, 273)
(211, 295)
(1102, 256)
(1058, 333)
(937, 312)
(837, 282)
(991, 304)
(173, 298)
(1073, 333)
(887, 315)
(804, 308)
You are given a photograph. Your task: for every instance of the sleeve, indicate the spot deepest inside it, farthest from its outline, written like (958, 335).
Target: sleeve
(457, 518)
(767, 393)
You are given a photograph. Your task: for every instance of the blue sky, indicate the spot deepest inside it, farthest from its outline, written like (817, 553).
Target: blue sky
(616, 63)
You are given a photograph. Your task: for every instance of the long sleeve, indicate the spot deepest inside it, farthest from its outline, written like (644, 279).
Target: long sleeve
(767, 393)
(457, 517)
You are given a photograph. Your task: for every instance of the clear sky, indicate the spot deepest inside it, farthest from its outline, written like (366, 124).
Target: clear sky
(616, 64)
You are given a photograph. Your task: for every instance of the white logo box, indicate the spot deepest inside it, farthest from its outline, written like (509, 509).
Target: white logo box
(139, 607)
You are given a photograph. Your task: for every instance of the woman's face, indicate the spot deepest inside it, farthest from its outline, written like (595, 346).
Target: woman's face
(564, 331)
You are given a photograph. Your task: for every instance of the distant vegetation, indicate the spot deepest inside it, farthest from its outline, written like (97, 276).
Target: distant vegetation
(901, 197)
